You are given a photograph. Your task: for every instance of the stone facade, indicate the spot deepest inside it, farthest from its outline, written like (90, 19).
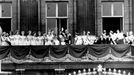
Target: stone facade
(72, 15)
(127, 19)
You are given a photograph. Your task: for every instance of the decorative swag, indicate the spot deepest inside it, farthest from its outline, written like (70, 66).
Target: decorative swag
(79, 51)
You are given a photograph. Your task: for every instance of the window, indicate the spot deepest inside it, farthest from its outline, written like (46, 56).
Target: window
(51, 10)
(118, 9)
(62, 9)
(5, 10)
(51, 24)
(112, 16)
(112, 9)
(107, 9)
(56, 16)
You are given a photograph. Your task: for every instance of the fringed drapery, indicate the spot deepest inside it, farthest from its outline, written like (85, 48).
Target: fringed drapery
(59, 52)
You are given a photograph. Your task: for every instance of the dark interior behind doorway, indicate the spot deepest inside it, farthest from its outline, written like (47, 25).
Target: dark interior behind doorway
(113, 24)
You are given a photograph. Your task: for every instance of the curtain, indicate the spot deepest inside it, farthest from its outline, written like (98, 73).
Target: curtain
(19, 52)
(58, 51)
(4, 51)
(120, 50)
(99, 50)
(40, 51)
(78, 51)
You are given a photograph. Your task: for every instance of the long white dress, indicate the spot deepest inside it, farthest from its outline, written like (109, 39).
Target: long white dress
(49, 39)
(22, 40)
(91, 39)
(56, 42)
(11, 39)
(34, 40)
(78, 40)
(119, 35)
(114, 36)
(85, 40)
(16, 39)
(130, 39)
(29, 39)
(40, 40)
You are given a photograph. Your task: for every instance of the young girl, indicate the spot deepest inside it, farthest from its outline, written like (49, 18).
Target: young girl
(22, 40)
(29, 38)
(49, 38)
(34, 39)
(40, 39)
(16, 38)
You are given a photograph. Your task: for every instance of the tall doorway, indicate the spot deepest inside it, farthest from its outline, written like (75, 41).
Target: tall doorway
(61, 23)
(56, 16)
(112, 16)
(56, 24)
(5, 23)
(112, 23)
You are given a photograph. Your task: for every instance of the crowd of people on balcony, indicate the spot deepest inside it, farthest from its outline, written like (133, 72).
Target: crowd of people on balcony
(33, 38)
(65, 38)
(117, 37)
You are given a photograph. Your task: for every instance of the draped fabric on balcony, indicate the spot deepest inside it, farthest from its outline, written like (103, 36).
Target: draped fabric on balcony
(4, 51)
(58, 51)
(120, 50)
(19, 52)
(78, 51)
(98, 51)
(40, 51)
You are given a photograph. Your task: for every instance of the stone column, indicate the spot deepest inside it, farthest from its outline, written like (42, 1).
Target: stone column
(73, 19)
(96, 33)
(39, 15)
(126, 16)
(99, 17)
(130, 15)
(74, 16)
(70, 15)
(18, 15)
(43, 16)
(14, 20)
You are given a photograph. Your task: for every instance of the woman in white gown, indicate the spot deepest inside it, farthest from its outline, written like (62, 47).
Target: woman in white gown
(85, 38)
(34, 39)
(29, 38)
(4, 36)
(40, 39)
(49, 38)
(2, 42)
(16, 38)
(11, 38)
(56, 41)
(113, 37)
(23, 40)
(130, 38)
(78, 40)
